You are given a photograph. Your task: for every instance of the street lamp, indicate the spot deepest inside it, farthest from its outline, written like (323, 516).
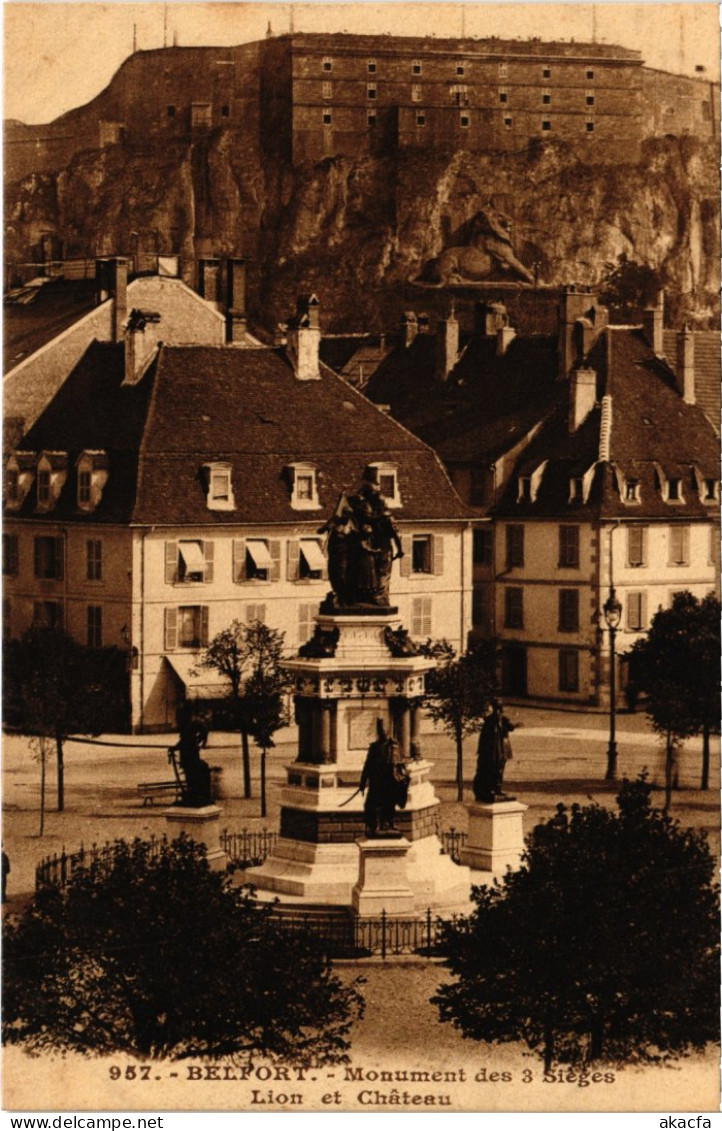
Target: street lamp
(612, 609)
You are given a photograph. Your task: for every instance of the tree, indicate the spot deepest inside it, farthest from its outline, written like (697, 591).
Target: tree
(149, 953)
(249, 656)
(458, 692)
(266, 692)
(627, 288)
(676, 665)
(55, 687)
(603, 945)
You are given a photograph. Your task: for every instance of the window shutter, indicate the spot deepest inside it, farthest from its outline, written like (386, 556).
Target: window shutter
(171, 629)
(239, 559)
(426, 616)
(405, 562)
(37, 557)
(416, 616)
(204, 626)
(685, 545)
(643, 610)
(633, 610)
(171, 562)
(208, 554)
(274, 549)
(437, 554)
(58, 559)
(292, 555)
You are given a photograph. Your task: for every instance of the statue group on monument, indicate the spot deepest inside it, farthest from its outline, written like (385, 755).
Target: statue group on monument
(362, 544)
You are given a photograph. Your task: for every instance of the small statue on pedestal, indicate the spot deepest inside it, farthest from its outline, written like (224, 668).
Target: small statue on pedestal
(493, 753)
(387, 778)
(196, 780)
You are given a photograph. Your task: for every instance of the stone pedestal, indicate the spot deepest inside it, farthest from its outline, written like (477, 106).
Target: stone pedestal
(201, 825)
(360, 676)
(496, 837)
(382, 883)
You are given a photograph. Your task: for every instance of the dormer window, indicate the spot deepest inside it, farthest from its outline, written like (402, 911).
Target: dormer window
(371, 66)
(416, 67)
(327, 64)
(707, 489)
(385, 476)
(528, 485)
(576, 489)
(12, 486)
(632, 491)
(304, 487)
(20, 472)
(219, 487)
(52, 472)
(43, 487)
(92, 469)
(670, 485)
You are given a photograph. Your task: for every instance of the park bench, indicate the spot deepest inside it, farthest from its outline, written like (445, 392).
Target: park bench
(149, 790)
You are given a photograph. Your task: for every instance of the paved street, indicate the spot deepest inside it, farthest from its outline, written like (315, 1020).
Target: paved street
(558, 756)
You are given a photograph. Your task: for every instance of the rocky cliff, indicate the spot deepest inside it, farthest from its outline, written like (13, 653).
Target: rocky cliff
(356, 231)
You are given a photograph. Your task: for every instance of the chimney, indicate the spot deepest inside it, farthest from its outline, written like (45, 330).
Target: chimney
(304, 337)
(447, 345)
(111, 281)
(236, 300)
(504, 336)
(209, 271)
(139, 345)
(489, 318)
(582, 396)
(409, 328)
(580, 319)
(653, 324)
(685, 365)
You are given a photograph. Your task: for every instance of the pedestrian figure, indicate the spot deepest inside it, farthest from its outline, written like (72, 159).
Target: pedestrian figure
(493, 753)
(5, 874)
(387, 778)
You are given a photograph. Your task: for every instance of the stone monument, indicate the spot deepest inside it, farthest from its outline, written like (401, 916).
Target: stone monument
(359, 681)
(495, 840)
(195, 814)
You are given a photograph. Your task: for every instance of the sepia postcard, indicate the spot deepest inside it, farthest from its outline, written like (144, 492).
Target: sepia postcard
(361, 544)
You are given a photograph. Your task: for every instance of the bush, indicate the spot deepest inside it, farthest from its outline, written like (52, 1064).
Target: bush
(604, 945)
(155, 955)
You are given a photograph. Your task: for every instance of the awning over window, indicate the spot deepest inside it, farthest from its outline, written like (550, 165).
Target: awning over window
(313, 554)
(200, 683)
(259, 552)
(192, 554)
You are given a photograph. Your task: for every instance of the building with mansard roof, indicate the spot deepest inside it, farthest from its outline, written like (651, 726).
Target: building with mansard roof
(148, 507)
(591, 458)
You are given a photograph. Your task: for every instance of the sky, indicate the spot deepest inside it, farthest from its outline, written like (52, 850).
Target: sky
(59, 55)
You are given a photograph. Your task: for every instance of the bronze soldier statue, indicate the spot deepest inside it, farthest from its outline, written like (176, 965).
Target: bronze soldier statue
(196, 772)
(387, 778)
(493, 753)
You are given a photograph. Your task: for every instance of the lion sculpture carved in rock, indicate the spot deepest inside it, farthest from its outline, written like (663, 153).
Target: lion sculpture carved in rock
(489, 251)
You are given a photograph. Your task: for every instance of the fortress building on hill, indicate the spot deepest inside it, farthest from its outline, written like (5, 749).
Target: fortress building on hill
(301, 98)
